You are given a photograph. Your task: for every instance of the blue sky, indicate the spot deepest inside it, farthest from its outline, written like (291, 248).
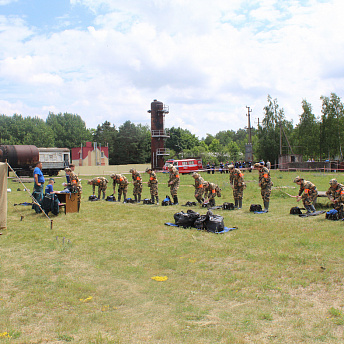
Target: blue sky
(206, 60)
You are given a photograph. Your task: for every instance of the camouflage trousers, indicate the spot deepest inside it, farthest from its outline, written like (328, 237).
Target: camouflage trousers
(218, 191)
(266, 192)
(101, 189)
(123, 190)
(238, 192)
(174, 189)
(308, 199)
(154, 189)
(199, 193)
(137, 189)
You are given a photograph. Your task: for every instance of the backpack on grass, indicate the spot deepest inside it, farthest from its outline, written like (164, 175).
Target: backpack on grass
(210, 222)
(256, 207)
(166, 201)
(295, 211)
(332, 215)
(93, 198)
(186, 219)
(228, 206)
(111, 198)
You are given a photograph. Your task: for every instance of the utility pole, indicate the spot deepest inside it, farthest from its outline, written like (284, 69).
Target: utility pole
(249, 124)
(248, 146)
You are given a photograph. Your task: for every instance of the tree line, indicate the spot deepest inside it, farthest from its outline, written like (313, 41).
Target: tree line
(314, 137)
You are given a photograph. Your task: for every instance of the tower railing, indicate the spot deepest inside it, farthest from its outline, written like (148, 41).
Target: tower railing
(160, 133)
(165, 109)
(163, 151)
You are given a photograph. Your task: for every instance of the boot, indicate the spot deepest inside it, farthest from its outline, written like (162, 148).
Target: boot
(157, 200)
(119, 197)
(135, 198)
(199, 201)
(312, 208)
(139, 198)
(266, 206)
(175, 200)
(125, 196)
(153, 199)
(212, 202)
(236, 203)
(308, 208)
(240, 203)
(103, 194)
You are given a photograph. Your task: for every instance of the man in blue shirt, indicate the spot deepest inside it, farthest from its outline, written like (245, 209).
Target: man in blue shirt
(38, 185)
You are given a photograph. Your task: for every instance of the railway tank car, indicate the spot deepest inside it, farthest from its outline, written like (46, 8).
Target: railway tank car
(23, 158)
(20, 157)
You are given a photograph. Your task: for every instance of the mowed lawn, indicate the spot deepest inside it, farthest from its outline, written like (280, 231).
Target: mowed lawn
(278, 278)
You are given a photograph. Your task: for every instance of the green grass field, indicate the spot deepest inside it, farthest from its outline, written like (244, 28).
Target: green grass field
(278, 278)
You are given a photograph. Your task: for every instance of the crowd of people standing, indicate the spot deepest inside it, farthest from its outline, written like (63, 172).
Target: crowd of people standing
(205, 191)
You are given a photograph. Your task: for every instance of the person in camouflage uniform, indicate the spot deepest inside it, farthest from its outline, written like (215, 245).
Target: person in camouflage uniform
(137, 182)
(236, 179)
(173, 182)
(336, 195)
(265, 184)
(74, 184)
(122, 182)
(153, 185)
(199, 187)
(308, 193)
(101, 182)
(211, 190)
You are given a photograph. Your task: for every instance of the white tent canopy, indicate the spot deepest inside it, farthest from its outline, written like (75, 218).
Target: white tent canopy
(3, 195)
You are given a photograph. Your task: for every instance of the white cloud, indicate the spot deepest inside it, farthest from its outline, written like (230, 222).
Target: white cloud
(6, 2)
(206, 60)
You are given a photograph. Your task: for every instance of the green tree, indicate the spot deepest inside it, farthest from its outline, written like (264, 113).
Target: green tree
(38, 133)
(225, 137)
(6, 135)
(181, 139)
(331, 130)
(18, 130)
(132, 144)
(215, 146)
(270, 131)
(107, 135)
(234, 151)
(209, 139)
(69, 130)
(307, 132)
(204, 146)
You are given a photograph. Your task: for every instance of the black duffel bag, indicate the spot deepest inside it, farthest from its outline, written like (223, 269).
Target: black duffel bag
(228, 206)
(200, 222)
(214, 223)
(210, 222)
(111, 198)
(295, 211)
(256, 207)
(186, 219)
(93, 198)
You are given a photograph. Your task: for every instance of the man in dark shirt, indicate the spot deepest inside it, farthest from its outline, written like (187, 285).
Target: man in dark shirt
(38, 186)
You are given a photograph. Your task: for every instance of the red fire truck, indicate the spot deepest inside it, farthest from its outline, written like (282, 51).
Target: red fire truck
(184, 165)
